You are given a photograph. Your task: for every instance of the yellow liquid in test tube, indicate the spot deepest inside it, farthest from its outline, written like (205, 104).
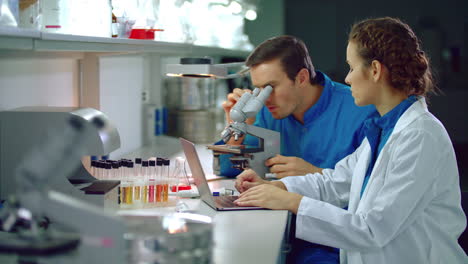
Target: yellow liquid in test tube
(145, 193)
(137, 192)
(159, 192)
(129, 195)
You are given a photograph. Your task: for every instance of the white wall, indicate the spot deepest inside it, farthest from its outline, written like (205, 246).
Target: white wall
(43, 81)
(38, 82)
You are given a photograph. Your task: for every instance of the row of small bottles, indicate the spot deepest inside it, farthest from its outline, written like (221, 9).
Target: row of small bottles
(143, 183)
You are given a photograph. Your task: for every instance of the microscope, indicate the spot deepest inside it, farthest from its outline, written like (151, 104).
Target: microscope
(42, 221)
(244, 156)
(24, 128)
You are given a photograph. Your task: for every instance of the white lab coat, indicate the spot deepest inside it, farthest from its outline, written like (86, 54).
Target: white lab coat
(410, 211)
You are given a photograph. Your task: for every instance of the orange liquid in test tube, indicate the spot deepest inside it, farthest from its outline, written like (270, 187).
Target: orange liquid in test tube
(165, 192)
(159, 192)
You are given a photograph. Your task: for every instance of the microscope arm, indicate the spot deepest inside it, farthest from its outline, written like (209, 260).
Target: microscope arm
(269, 146)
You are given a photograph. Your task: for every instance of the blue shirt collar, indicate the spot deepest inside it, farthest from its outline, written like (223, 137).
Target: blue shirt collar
(389, 120)
(319, 107)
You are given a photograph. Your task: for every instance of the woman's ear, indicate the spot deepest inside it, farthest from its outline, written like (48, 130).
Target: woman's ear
(376, 70)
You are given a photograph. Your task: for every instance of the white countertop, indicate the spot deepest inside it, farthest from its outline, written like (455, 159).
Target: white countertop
(250, 236)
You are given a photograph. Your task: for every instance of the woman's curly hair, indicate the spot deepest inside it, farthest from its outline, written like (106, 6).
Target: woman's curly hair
(394, 44)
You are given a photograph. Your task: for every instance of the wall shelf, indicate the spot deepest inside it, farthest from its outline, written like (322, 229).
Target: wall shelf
(89, 68)
(12, 38)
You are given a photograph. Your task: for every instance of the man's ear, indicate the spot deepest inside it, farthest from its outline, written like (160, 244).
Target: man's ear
(303, 76)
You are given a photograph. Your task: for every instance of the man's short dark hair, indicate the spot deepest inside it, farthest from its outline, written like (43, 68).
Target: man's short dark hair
(291, 51)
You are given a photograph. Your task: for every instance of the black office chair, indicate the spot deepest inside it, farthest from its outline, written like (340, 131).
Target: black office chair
(463, 239)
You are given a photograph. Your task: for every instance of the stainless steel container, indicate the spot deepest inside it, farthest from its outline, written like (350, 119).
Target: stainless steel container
(198, 126)
(175, 238)
(195, 111)
(190, 93)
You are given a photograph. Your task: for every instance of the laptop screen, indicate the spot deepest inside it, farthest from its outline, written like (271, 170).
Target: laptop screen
(197, 171)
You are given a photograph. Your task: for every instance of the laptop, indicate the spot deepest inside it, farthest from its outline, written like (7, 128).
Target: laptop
(219, 203)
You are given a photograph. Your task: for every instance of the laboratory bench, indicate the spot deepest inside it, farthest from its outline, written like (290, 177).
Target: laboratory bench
(245, 236)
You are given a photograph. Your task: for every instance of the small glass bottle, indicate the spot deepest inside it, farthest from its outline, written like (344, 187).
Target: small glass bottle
(115, 26)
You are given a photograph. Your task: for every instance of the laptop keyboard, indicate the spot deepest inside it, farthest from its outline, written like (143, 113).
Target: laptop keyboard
(225, 201)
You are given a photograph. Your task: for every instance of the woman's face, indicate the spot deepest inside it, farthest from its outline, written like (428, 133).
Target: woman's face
(363, 88)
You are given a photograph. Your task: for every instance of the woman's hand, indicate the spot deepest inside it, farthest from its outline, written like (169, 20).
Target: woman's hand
(270, 196)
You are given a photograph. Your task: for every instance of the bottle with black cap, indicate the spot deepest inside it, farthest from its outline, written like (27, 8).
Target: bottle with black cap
(138, 163)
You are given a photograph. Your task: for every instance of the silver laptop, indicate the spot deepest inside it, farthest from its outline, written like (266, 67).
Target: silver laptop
(220, 203)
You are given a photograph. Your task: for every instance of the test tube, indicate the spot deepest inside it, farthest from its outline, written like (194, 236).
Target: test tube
(150, 175)
(138, 167)
(108, 170)
(159, 182)
(165, 173)
(98, 170)
(116, 170)
(123, 183)
(139, 181)
(152, 185)
(129, 184)
(93, 168)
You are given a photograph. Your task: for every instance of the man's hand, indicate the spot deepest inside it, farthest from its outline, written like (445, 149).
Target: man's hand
(270, 196)
(284, 166)
(232, 99)
(248, 179)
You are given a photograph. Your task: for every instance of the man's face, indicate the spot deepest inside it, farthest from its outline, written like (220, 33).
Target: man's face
(285, 97)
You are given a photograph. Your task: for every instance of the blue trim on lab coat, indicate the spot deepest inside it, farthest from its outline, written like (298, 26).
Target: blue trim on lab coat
(379, 129)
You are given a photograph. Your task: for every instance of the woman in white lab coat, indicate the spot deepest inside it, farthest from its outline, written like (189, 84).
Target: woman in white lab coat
(401, 185)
